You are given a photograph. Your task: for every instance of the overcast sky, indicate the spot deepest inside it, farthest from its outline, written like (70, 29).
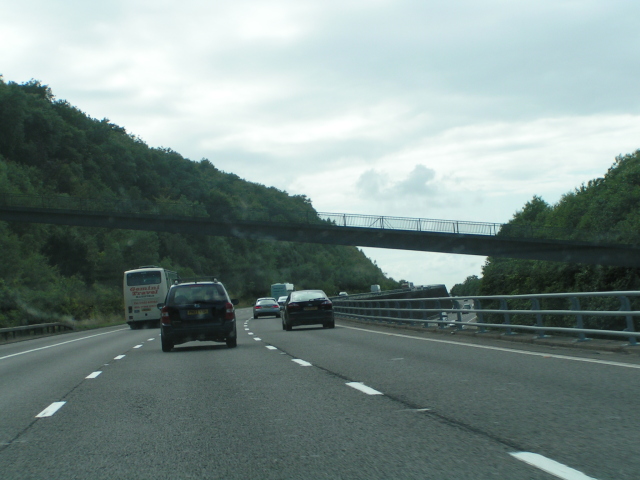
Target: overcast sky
(419, 108)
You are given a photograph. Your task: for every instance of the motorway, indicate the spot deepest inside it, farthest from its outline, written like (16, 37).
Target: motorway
(354, 402)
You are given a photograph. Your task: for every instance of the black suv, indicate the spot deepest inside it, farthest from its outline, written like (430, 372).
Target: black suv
(197, 311)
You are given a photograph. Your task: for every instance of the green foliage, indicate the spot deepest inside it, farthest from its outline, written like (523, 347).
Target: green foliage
(608, 208)
(469, 288)
(50, 147)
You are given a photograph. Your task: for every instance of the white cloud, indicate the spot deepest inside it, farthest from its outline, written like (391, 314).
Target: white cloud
(418, 183)
(455, 110)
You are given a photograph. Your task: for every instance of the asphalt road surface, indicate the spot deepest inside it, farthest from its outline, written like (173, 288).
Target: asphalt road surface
(351, 402)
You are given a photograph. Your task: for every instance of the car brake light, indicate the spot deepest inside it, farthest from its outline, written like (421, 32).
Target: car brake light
(258, 306)
(164, 316)
(229, 312)
(293, 306)
(327, 305)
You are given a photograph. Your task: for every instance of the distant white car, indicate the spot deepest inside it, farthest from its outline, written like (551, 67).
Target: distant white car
(343, 294)
(281, 301)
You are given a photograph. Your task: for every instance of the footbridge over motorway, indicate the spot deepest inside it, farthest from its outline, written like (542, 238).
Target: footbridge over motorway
(419, 234)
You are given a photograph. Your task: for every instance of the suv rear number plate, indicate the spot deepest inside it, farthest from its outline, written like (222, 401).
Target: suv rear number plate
(197, 312)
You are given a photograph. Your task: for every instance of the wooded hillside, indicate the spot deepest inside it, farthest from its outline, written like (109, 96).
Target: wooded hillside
(607, 208)
(49, 147)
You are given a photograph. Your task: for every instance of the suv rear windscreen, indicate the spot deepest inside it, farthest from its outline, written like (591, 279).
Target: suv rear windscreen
(190, 294)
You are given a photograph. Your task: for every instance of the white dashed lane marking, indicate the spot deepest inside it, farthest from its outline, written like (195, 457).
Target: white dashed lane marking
(50, 410)
(302, 363)
(363, 388)
(93, 375)
(271, 347)
(119, 357)
(257, 339)
(551, 466)
(137, 346)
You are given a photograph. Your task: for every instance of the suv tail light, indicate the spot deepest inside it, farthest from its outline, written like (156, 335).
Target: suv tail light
(229, 312)
(164, 316)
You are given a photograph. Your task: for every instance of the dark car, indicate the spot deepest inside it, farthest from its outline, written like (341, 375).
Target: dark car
(198, 311)
(266, 306)
(308, 307)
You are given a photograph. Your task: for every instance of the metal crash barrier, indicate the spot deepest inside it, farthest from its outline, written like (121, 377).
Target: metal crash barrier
(546, 313)
(33, 330)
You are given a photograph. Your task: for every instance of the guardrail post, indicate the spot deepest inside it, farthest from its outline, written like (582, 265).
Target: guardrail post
(575, 305)
(423, 314)
(535, 305)
(507, 316)
(459, 325)
(398, 313)
(442, 324)
(410, 308)
(625, 306)
(479, 316)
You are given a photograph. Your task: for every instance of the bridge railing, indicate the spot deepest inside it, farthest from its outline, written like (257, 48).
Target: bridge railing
(194, 209)
(561, 313)
(415, 224)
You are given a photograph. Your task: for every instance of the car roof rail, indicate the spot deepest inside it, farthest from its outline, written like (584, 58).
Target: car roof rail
(197, 280)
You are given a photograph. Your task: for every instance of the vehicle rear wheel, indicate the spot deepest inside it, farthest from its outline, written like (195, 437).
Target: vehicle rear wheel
(288, 327)
(283, 325)
(232, 342)
(166, 345)
(255, 317)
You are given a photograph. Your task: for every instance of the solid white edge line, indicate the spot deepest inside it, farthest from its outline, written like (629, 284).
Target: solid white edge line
(363, 388)
(119, 357)
(93, 375)
(550, 466)
(501, 349)
(302, 363)
(50, 410)
(61, 343)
